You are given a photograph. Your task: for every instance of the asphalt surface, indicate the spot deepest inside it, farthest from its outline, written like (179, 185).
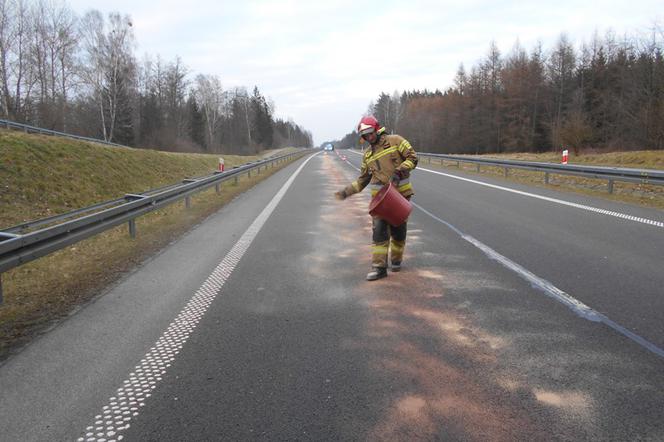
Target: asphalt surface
(291, 343)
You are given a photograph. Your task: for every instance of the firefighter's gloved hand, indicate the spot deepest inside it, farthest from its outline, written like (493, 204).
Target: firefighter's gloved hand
(398, 176)
(341, 195)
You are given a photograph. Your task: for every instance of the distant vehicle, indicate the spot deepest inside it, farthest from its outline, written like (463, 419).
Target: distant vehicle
(328, 147)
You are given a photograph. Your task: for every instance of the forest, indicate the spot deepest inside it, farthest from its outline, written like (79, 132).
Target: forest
(605, 95)
(80, 75)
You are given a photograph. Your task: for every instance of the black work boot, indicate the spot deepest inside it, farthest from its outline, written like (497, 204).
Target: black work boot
(377, 273)
(396, 266)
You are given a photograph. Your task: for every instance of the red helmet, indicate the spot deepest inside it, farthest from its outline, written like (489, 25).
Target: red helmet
(368, 125)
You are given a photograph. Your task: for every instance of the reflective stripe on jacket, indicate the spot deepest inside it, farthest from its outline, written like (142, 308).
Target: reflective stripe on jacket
(380, 161)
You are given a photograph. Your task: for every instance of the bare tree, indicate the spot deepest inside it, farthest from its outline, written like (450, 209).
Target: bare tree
(15, 62)
(210, 96)
(38, 53)
(175, 97)
(493, 66)
(120, 68)
(514, 106)
(52, 48)
(92, 68)
(109, 64)
(561, 71)
(65, 46)
(242, 96)
(7, 38)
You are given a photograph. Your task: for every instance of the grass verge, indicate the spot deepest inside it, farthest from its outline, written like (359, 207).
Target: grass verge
(39, 294)
(638, 194)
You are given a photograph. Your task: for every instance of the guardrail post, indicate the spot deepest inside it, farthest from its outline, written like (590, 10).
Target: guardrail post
(610, 186)
(507, 171)
(546, 177)
(478, 167)
(1, 299)
(132, 228)
(187, 202)
(236, 180)
(217, 187)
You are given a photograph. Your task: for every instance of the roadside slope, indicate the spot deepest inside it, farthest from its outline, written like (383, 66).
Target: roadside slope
(42, 176)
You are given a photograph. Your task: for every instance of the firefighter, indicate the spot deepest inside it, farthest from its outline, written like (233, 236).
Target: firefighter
(387, 158)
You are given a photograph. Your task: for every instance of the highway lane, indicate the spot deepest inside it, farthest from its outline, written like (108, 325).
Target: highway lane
(50, 389)
(611, 264)
(305, 349)
(296, 345)
(454, 347)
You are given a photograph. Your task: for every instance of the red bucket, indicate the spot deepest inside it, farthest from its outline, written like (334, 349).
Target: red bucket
(390, 205)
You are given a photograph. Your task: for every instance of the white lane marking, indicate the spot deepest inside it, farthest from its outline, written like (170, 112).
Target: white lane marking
(552, 200)
(125, 405)
(547, 287)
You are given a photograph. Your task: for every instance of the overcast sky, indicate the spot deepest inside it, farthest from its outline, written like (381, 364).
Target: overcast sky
(323, 63)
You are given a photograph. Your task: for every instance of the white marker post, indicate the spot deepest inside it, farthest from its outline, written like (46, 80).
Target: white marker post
(221, 164)
(565, 156)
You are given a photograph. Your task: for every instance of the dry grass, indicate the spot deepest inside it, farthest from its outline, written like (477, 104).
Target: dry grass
(638, 194)
(42, 292)
(644, 159)
(41, 176)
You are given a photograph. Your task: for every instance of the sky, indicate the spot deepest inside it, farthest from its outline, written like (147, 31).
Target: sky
(322, 63)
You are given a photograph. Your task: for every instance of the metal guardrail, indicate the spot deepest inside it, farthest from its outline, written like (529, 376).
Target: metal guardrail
(612, 174)
(28, 241)
(38, 130)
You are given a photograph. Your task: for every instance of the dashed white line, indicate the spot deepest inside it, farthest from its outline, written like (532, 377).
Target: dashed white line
(117, 414)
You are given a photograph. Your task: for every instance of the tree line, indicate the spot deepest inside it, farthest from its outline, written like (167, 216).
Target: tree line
(607, 95)
(80, 75)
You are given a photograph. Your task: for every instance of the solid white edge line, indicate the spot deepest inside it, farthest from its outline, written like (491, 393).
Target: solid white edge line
(549, 199)
(122, 408)
(579, 308)
(545, 286)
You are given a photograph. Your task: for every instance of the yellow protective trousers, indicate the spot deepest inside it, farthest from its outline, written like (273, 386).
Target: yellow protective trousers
(387, 239)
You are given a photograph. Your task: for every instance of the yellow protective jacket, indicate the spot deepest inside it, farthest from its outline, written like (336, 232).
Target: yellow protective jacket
(379, 162)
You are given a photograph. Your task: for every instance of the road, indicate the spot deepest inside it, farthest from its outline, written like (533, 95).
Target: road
(514, 318)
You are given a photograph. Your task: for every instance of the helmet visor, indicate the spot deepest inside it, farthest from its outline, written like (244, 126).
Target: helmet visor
(365, 129)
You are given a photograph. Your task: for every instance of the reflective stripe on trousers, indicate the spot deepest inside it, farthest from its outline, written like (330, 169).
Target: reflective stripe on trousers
(387, 238)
